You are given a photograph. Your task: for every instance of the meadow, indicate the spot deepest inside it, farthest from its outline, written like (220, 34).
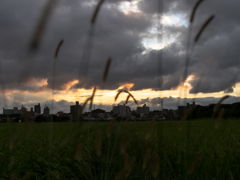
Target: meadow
(202, 149)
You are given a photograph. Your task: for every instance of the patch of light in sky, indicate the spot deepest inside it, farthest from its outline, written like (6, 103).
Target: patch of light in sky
(153, 44)
(150, 41)
(174, 20)
(127, 6)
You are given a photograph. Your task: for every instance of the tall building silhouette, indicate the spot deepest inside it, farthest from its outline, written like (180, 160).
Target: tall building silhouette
(122, 110)
(37, 109)
(75, 110)
(46, 111)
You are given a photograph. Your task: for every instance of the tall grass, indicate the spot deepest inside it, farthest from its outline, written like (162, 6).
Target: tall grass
(213, 153)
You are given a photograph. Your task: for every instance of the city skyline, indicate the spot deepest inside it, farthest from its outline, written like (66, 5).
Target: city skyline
(172, 105)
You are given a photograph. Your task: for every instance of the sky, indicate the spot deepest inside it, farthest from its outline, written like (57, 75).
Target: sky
(142, 37)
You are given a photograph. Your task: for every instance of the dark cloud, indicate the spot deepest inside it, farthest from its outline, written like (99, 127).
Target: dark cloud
(215, 57)
(229, 90)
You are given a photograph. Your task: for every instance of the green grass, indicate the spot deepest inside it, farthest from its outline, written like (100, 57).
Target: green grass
(209, 153)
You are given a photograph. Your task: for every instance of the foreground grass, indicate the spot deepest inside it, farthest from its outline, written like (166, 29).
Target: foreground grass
(142, 150)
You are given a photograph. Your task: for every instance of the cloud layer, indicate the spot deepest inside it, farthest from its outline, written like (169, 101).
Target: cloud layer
(129, 33)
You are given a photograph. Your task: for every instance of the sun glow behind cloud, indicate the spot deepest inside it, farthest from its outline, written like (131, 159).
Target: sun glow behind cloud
(106, 97)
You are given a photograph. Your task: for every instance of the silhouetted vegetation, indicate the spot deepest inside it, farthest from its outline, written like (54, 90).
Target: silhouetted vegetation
(230, 111)
(54, 118)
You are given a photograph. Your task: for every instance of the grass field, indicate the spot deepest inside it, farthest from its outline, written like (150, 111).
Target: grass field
(142, 150)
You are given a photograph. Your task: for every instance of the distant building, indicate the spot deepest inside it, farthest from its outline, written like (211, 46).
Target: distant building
(13, 111)
(143, 110)
(183, 109)
(37, 109)
(46, 111)
(75, 110)
(122, 110)
(31, 114)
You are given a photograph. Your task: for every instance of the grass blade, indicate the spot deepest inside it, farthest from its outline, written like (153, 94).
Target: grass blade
(133, 98)
(58, 48)
(85, 103)
(130, 95)
(119, 92)
(219, 102)
(194, 10)
(128, 98)
(94, 90)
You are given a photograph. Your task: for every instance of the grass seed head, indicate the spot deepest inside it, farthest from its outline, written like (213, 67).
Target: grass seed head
(58, 48)
(95, 13)
(98, 142)
(119, 92)
(133, 98)
(155, 165)
(84, 105)
(203, 28)
(91, 100)
(194, 10)
(129, 95)
(41, 25)
(128, 98)
(216, 107)
(146, 158)
(107, 67)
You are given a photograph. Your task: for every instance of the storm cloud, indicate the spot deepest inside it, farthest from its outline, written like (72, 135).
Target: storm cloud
(125, 35)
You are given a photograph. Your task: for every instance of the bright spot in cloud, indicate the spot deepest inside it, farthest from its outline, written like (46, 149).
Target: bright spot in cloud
(174, 20)
(68, 85)
(187, 84)
(42, 82)
(127, 86)
(126, 7)
(152, 41)
(153, 44)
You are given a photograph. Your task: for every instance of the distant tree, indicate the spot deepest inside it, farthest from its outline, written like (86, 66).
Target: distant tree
(63, 119)
(119, 118)
(98, 111)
